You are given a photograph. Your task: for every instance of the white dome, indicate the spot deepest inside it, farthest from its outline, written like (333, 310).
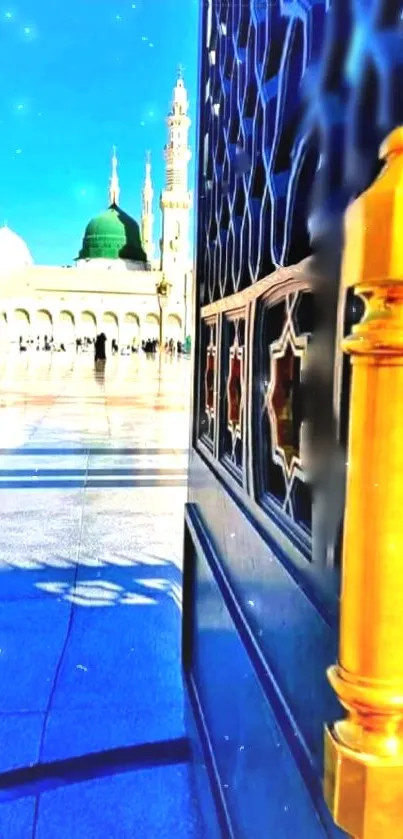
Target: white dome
(14, 253)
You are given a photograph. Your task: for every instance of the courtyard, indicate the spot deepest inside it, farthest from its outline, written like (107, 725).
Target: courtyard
(93, 466)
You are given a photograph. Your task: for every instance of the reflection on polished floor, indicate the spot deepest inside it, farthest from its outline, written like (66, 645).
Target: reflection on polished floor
(92, 487)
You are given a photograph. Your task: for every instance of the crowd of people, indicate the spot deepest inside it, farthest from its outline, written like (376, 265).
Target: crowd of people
(45, 344)
(150, 346)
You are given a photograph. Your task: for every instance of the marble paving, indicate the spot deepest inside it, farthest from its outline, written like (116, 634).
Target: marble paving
(92, 486)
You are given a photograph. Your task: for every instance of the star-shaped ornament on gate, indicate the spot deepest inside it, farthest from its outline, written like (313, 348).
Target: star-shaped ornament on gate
(235, 393)
(287, 356)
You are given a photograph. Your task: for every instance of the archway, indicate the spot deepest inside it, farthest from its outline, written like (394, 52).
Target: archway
(3, 330)
(43, 328)
(87, 328)
(20, 327)
(130, 330)
(66, 332)
(110, 327)
(174, 328)
(151, 328)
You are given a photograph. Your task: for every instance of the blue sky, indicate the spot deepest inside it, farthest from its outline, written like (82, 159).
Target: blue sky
(78, 78)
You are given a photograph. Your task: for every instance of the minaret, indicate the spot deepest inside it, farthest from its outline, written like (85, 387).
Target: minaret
(114, 188)
(176, 199)
(147, 217)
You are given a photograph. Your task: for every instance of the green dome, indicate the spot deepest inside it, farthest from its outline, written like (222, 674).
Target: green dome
(113, 235)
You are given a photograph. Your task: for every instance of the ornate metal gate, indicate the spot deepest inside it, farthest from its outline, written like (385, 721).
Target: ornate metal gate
(292, 94)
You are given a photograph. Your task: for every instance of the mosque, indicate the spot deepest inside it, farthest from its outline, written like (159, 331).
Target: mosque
(115, 285)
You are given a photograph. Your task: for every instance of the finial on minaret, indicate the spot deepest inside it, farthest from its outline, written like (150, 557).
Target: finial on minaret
(114, 188)
(179, 104)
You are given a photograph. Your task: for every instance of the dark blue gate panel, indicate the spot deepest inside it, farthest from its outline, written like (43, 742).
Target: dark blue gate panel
(294, 633)
(263, 771)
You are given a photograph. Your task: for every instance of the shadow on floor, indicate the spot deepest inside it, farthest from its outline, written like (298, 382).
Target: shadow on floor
(33, 780)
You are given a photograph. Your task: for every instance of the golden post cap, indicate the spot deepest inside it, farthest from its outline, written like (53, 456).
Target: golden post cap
(373, 249)
(392, 144)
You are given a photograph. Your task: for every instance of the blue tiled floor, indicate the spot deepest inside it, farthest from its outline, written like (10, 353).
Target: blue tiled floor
(151, 803)
(17, 818)
(90, 591)
(20, 738)
(125, 726)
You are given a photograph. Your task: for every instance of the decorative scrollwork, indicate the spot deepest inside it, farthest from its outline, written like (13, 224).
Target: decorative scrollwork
(235, 391)
(207, 406)
(295, 94)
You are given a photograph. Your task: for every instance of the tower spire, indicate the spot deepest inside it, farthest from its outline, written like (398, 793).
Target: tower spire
(177, 153)
(147, 217)
(114, 188)
(176, 198)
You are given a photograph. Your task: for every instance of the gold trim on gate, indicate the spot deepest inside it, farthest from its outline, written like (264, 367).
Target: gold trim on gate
(364, 752)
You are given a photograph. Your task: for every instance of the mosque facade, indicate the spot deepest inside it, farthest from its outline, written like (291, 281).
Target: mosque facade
(116, 284)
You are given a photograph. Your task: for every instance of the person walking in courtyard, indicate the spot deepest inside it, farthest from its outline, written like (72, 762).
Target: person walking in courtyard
(100, 352)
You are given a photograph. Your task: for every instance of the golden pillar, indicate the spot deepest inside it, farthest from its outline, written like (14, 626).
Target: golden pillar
(364, 751)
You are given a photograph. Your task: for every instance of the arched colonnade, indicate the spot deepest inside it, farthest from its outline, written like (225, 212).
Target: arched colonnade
(65, 326)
